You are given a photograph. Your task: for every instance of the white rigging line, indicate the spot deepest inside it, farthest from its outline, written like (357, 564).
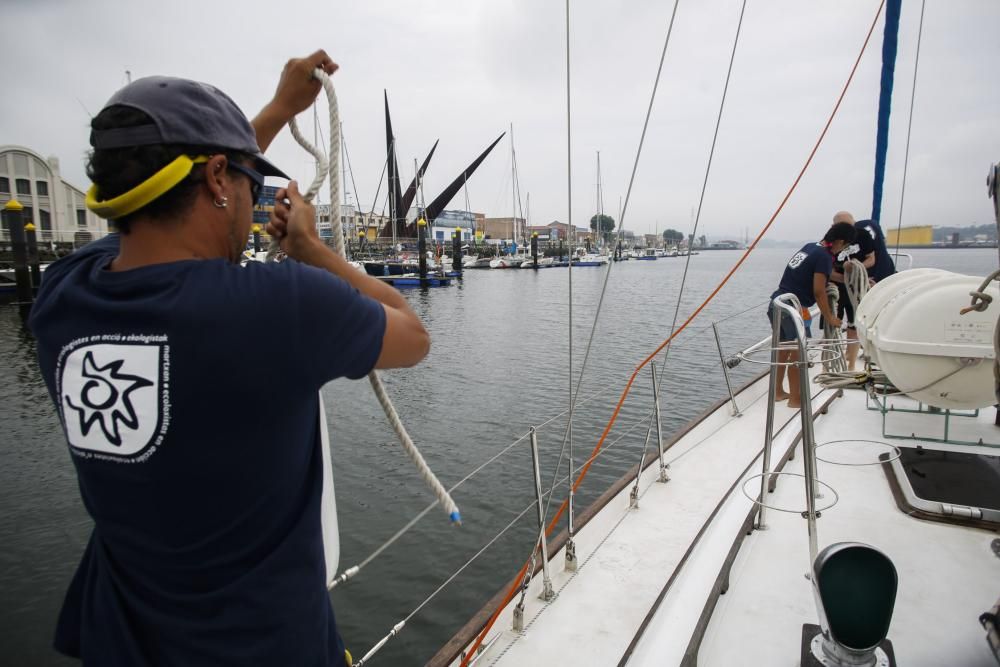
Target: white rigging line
(567, 438)
(697, 217)
(909, 127)
(571, 238)
(331, 168)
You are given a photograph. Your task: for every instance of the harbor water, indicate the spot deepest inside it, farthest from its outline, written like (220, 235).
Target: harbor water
(498, 365)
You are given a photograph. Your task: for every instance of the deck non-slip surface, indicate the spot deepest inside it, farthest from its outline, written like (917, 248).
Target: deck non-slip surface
(626, 555)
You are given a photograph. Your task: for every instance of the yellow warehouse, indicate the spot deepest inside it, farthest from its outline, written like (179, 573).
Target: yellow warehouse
(922, 235)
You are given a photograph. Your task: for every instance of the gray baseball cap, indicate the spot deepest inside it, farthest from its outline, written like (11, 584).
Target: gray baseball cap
(183, 112)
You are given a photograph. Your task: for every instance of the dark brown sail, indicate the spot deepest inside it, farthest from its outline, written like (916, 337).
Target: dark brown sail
(435, 207)
(411, 191)
(397, 217)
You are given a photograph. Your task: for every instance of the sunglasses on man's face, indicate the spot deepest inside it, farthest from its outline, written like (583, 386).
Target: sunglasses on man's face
(256, 179)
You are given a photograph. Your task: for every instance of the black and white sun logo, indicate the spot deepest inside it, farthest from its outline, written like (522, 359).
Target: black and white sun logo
(110, 397)
(105, 398)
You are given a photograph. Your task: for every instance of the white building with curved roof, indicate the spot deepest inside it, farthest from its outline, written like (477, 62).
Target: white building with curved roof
(55, 207)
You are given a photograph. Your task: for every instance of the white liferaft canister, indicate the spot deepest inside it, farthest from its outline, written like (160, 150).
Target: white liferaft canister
(910, 325)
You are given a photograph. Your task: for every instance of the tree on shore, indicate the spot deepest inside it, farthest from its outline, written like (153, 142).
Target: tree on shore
(672, 236)
(603, 225)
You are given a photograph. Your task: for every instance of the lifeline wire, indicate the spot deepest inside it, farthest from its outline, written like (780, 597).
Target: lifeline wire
(350, 572)
(332, 166)
(557, 482)
(399, 626)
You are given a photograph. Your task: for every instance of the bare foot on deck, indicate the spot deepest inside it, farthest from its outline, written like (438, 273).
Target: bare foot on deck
(794, 402)
(780, 396)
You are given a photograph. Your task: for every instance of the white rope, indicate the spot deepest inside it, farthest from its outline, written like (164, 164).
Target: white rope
(833, 362)
(331, 167)
(856, 282)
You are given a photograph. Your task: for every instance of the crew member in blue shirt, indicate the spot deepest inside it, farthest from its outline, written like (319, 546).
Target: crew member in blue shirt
(870, 250)
(806, 276)
(207, 546)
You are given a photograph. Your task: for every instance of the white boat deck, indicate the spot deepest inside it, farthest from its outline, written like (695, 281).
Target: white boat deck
(627, 555)
(948, 574)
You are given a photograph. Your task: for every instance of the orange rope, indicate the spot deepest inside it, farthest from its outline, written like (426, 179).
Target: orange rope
(628, 387)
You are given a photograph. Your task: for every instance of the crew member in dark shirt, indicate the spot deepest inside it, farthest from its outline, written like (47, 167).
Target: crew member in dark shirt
(207, 546)
(870, 250)
(806, 277)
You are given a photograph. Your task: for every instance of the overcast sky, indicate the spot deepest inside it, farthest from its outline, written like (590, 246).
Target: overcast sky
(463, 71)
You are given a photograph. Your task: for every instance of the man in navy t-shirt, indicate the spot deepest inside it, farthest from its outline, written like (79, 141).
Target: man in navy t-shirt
(187, 386)
(806, 277)
(869, 249)
(881, 266)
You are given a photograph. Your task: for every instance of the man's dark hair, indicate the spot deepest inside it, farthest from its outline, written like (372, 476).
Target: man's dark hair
(118, 170)
(840, 231)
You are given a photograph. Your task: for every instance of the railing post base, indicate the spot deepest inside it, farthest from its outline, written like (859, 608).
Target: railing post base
(547, 591)
(571, 562)
(519, 618)
(664, 477)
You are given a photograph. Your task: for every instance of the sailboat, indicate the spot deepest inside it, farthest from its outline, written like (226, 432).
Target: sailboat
(516, 257)
(585, 258)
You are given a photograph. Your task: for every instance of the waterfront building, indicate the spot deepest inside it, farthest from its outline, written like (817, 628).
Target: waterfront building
(352, 220)
(503, 228)
(446, 222)
(54, 206)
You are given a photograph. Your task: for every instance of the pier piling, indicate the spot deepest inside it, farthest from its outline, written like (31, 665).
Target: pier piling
(256, 238)
(12, 216)
(456, 251)
(534, 249)
(422, 250)
(34, 267)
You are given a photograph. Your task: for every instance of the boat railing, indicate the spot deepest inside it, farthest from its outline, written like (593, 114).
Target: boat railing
(909, 260)
(788, 305)
(647, 402)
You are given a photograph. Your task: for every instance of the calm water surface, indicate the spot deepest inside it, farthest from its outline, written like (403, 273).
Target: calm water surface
(499, 364)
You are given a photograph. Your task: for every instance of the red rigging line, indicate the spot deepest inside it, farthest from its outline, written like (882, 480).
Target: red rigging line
(519, 577)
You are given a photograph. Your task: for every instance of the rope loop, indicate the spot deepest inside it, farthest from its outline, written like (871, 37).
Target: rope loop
(980, 302)
(329, 165)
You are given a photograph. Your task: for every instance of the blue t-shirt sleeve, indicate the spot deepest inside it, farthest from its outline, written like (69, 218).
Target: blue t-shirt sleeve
(339, 330)
(824, 262)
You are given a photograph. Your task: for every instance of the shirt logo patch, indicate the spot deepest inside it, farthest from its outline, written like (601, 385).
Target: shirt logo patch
(797, 259)
(114, 397)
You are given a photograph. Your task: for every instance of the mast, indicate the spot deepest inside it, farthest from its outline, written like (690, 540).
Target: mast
(347, 230)
(889, 38)
(392, 188)
(599, 230)
(513, 186)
